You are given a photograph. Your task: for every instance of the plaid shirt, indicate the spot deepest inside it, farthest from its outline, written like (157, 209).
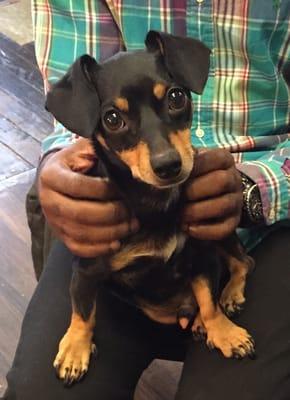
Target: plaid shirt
(245, 105)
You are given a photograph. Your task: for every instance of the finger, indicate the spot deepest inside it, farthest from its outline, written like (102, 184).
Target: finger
(214, 230)
(212, 160)
(62, 179)
(90, 250)
(213, 184)
(96, 234)
(219, 207)
(84, 212)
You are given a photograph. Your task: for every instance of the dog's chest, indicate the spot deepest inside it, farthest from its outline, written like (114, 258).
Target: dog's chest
(148, 272)
(161, 249)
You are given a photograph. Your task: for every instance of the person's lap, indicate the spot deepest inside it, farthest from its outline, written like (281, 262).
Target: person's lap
(207, 375)
(128, 341)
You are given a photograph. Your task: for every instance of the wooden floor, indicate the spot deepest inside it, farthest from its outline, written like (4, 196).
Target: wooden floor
(23, 124)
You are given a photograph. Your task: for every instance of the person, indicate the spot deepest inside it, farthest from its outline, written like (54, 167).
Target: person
(242, 119)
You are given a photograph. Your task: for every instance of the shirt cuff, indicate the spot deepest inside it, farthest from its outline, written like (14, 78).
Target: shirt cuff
(273, 186)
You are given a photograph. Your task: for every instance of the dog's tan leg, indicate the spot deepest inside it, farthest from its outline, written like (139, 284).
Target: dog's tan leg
(239, 264)
(223, 334)
(75, 348)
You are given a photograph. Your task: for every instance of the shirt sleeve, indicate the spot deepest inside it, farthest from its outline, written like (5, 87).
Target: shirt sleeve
(63, 31)
(272, 174)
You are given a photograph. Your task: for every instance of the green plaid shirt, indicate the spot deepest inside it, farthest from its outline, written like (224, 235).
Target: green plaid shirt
(246, 102)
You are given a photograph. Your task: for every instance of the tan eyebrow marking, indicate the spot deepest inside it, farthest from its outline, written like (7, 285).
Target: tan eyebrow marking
(159, 90)
(122, 104)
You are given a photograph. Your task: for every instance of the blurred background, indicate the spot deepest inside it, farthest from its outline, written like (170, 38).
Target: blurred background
(23, 124)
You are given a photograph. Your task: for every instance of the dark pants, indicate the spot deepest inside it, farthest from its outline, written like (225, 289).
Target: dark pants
(128, 341)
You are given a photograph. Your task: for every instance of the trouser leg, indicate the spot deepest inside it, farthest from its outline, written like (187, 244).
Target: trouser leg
(208, 375)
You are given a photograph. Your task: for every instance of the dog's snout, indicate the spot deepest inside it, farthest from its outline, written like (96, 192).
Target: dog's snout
(166, 165)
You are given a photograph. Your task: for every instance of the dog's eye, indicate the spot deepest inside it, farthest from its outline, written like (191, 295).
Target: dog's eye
(176, 99)
(113, 120)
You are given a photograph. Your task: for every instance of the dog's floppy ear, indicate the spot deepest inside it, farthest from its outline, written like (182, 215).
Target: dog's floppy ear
(74, 100)
(186, 59)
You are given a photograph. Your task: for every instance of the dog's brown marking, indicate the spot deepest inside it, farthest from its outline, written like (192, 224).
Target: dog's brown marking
(138, 160)
(233, 295)
(223, 334)
(75, 348)
(131, 252)
(122, 104)
(239, 265)
(182, 143)
(159, 90)
(102, 141)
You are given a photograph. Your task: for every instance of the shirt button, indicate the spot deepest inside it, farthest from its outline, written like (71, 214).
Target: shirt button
(199, 132)
(272, 214)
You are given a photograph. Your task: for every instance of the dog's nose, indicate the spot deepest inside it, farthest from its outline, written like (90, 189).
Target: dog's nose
(166, 165)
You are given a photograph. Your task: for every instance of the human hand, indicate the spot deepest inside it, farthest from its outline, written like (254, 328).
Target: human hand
(85, 212)
(214, 196)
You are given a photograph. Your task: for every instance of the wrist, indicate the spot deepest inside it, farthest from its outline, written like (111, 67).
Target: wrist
(42, 163)
(252, 211)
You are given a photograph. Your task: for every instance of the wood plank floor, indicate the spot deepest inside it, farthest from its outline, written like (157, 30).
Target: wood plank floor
(23, 124)
(22, 127)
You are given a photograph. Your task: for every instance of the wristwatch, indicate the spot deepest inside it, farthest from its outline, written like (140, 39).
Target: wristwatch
(252, 211)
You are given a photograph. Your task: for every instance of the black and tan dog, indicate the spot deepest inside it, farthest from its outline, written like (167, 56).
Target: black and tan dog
(136, 107)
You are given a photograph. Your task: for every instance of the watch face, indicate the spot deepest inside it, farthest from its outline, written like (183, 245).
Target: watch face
(255, 205)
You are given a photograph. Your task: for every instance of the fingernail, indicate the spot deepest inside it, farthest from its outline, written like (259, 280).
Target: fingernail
(134, 225)
(192, 228)
(115, 245)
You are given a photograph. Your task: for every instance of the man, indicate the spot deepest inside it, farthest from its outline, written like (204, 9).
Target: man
(243, 110)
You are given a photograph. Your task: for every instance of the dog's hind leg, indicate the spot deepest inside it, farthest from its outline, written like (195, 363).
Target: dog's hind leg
(239, 265)
(232, 340)
(75, 348)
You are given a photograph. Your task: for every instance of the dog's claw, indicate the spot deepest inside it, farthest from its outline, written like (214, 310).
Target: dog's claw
(210, 345)
(252, 355)
(199, 334)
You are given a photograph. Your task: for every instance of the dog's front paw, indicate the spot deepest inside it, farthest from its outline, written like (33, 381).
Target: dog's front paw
(232, 340)
(232, 299)
(72, 360)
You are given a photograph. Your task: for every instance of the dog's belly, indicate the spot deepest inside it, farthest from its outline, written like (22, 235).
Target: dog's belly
(169, 312)
(160, 288)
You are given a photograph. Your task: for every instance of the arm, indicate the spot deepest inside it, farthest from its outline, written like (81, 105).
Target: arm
(84, 212)
(271, 173)
(215, 193)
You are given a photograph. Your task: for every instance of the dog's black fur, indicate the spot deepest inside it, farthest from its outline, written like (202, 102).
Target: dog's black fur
(153, 123)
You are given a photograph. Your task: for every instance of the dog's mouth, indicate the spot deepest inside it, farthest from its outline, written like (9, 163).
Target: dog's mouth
(171, 183)
(151, 179)
(161, 170)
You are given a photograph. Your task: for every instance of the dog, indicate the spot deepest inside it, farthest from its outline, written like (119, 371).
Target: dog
(136, 108)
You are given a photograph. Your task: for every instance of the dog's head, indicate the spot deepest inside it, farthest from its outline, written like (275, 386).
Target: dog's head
(137, 105)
